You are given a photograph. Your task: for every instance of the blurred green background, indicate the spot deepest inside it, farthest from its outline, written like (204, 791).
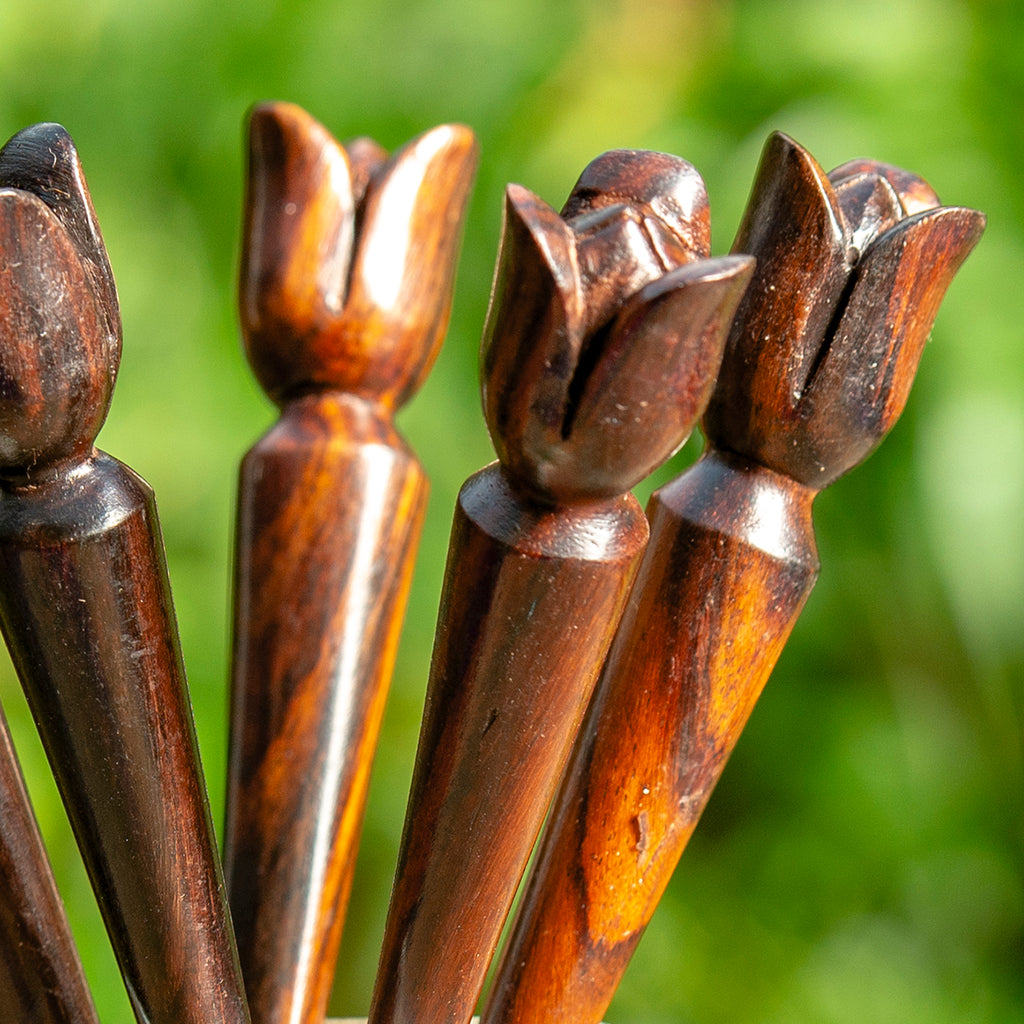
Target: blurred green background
(861, 860)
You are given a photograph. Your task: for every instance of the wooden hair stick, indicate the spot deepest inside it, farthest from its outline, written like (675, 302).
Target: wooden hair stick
(602, 342)
(41, 978)
(348, 266)
(85, 604)
(851, 269)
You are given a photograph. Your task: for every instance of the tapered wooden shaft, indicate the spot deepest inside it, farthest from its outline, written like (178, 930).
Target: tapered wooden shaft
(85, 604)
(596, 316)
(86, 612)
(819, 361)
(530, 603)
(321, 587)
(341, 324)
(41, 979)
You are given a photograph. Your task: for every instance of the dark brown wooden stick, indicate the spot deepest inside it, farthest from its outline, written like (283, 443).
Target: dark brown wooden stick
(85, 603)
(602, 343)
(41, 979)
(347, 273)
(850, 273)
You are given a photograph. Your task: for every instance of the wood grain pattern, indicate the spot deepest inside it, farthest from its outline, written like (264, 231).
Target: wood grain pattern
(595, 317)
(41, 979)
(85, 604)
(850, 273)
(347, 274)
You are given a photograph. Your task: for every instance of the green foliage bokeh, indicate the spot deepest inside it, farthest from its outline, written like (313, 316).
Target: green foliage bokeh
(861, 859)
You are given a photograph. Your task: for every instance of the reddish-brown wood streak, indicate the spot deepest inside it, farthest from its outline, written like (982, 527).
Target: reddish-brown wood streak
(851, 271)
(85, 604)
(347, 274)
(597, 316)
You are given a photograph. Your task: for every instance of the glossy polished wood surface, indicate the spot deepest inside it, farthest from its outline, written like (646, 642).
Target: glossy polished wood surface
(597, 315)
(851, 270)
(347, 274)
(85, 603)
(41, 979)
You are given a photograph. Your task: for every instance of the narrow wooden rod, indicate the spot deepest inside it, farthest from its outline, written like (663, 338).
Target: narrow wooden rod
(597, 316)
(41, 977)
(85, 603)
(348, 268)
(850, 272)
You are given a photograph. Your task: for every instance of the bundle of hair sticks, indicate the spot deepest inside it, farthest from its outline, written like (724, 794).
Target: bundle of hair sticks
(594, 664)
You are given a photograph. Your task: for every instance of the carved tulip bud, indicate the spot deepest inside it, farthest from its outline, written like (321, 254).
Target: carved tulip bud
(62, 327)
(604, 334)
(605, 327)
(348, 256)
(852, 268)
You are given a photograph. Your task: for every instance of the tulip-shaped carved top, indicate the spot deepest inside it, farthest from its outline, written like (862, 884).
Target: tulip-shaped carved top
(605, 328)
(851, 269)
(60, 326)
(348, 257)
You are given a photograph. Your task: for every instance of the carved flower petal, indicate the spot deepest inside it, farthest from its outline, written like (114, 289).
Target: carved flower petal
(792, 227)
(651, 377)
(296, 249)
(404, 271)
(869, 206)
(43, 160)
(56, 365)
(864, 379)
(619, 251)
(532, 336)
(664, 188)
(916, 195)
